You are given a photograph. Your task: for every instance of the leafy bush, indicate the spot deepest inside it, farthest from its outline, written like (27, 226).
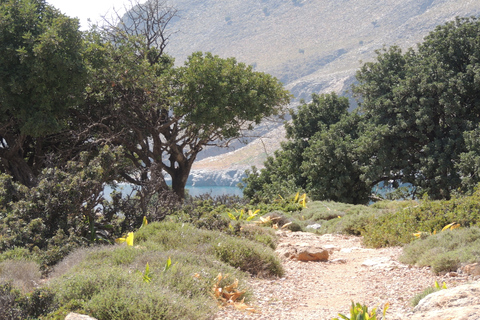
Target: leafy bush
(255, 259)
(17, 306)
(397, 228)
(444, 251)
(265, 236)
(10, 308)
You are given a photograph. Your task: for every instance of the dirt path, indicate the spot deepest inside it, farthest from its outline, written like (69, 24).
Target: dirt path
(320, 290)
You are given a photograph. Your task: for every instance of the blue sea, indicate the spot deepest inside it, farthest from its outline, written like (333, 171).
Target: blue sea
(193, 191)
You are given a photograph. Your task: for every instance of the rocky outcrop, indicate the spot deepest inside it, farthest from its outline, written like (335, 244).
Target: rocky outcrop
(458, 303)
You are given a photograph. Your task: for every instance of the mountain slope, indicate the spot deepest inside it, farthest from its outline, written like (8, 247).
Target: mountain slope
(310, 45)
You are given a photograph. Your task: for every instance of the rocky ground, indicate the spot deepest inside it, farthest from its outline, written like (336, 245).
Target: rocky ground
(322, 289)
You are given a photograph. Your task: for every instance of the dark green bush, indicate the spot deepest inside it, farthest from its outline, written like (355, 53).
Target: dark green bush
(10, 309)
(17, 306)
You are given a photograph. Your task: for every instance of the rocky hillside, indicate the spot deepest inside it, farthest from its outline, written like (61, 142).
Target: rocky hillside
(310, 45)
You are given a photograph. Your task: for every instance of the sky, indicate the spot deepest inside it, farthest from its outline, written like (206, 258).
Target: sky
(84, 9)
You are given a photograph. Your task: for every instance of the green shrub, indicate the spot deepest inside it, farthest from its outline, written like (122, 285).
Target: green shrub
(247, 256)
(444, 251)
(8, 303)
(257, 259)
(416, 299)
(396, 228)
(17, 306)
(107, 286)
(265, 236)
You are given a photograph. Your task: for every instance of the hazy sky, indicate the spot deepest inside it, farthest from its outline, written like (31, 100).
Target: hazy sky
(84, 9)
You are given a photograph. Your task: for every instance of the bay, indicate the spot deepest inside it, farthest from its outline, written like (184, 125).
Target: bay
(193, 191)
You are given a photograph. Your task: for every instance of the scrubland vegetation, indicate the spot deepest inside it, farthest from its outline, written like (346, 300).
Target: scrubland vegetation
(128, 115)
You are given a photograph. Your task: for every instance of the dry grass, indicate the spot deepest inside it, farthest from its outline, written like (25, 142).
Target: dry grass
(24, 275)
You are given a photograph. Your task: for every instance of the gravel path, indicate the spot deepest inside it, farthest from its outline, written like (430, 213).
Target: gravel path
(320, 290)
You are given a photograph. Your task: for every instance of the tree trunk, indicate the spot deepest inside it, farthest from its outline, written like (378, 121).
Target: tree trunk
(179, 180)
(180, 176)
(19, 170)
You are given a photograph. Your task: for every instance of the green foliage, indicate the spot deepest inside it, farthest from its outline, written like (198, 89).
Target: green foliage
(359, 312)
(255, 259)
(397, 228)
(416, 299)
(419, 296)
(174, 112)
(419, 104)
(247, 255)
(469, 161)
(414, 126)
(444, 251)
(18, 306)
(42, 75)
(320, 156)
(265, 236)
(109, 282)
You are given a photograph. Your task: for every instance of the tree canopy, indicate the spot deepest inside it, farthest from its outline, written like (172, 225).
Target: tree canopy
(41, 77)
(419, 113)
(420, 103)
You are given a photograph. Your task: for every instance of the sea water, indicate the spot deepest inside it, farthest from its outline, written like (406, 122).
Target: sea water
(193, 191)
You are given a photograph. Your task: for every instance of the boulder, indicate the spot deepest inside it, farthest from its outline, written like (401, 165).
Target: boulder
(458, 303)
(311, 254)
(302, 253)
(472, 269)
(76, 316)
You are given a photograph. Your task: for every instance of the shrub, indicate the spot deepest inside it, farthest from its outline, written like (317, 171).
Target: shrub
(108, 282)
(426, 292)
(419, 296)
(24, 275)
(10, 308)
(247, 256)
(396, 228)
(17, 306)
(444, 251)
(265, 236)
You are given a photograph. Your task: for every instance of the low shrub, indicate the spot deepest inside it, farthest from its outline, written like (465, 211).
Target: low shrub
(17, 306)
(178, 236)
(265, 236)
(8, 303)
(255, 259)
(396, 228)
(444, 251)
(24, 275)
(419, 296)
(109, 282)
